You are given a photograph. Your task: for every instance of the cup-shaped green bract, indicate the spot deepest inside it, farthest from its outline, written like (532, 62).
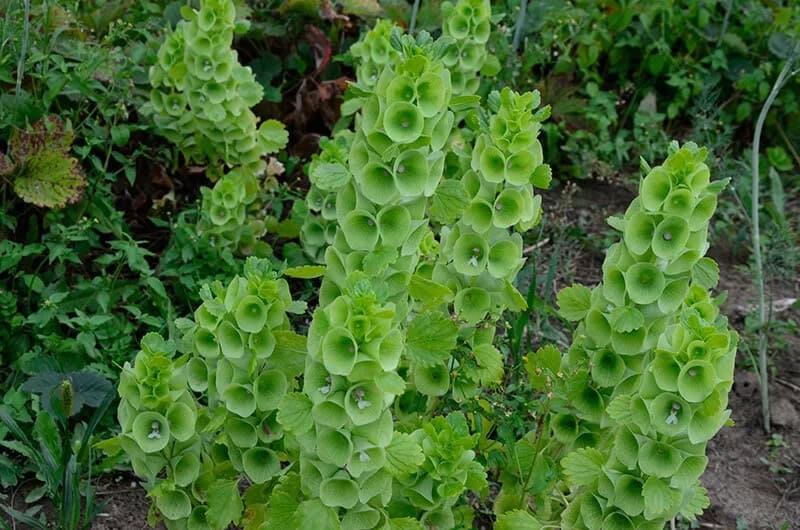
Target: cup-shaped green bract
(629, 342)
(339, 491)
(666, 369)
(181, 418)
(702, 212)
(394, 224)
(240, 400)
(432, 93)
(659, 459)
(680, 202)
(339, 351)
(364, 403)
(206, 343)
(492, 164)
(670, 414)
(377, 183)
(411, 173)
(230, 340)
(597, 328)
(628, 495)
(251, 314)
(150, 431)
(704, 426)
(432, 380)
(614, 285)
(617, 521)
(241, 432)
(565, 427)
(670, 237)
(626, 447)
(260, 464)
(507, 208)
(589, 402)
(174, 505)
(520, 167)
(403, 122)
(331, 412)
(639, 230)
(479, 215)
(608, 368)
(696, 381)
(262, 343)
(270, 387)
(401, 88)
(470, 254)
(472, 304)
(360, 229)
(505, 257)
(186, 469)
(334, 446)
(655, 188)
(644, 283)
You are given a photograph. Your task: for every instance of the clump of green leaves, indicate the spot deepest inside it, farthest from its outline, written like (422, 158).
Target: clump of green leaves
(60, 445)
(202, 96)
(40, 167)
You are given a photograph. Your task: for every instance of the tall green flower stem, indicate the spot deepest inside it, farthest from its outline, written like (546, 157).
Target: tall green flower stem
(651, 363)
(763, 376)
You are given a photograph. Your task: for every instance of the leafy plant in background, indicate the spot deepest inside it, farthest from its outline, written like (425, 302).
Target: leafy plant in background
(60, 446)
(202, 96)
(40, 167)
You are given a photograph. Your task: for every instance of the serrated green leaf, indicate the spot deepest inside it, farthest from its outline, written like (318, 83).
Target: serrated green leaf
(574, 302)
(490, 364)
(224, 503)
(274, 135)
(290, 353)
(620, 408)
(546, 360)
(705, 273)
(283, 503)
(314, 514)
(657, 498)
(615, 222)
(294, 413)
(51, 180)
(584, 466)
(403, 455)
(517, 520)
(431, 337)
(305, 272)
(695, 501)
(330, 176)
(449, 202)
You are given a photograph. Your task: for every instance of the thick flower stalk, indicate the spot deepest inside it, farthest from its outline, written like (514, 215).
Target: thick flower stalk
(238, 361)
(652, 360)
(202, 95)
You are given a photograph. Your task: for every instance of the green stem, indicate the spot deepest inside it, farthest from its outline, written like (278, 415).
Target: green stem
(24, 49)
(518, 26)
(762, 308)
(413, 23)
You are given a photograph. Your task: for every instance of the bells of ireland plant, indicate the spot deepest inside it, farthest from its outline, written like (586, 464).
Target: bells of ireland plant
(468, 25)
(373, 53)
(651, 362)
(242, 359)
(201, 95)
